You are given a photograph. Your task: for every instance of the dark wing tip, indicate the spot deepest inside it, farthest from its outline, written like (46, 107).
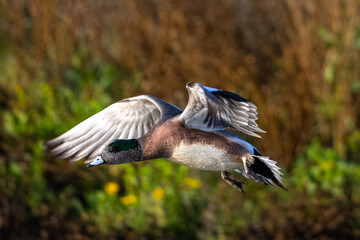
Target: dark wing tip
(55, 141)
(282, 186)
(230, 95)
(51, 142)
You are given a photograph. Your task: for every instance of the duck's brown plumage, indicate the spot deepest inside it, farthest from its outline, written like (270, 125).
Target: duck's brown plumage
(161, 141)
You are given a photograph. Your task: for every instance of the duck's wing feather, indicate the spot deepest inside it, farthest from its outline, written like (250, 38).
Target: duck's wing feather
(130, 118)
(211, 109)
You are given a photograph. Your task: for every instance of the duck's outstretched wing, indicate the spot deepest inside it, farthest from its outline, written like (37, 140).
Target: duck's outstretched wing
(211, 109)
(130, 118)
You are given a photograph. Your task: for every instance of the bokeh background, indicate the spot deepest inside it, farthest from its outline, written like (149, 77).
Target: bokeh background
(64, 60)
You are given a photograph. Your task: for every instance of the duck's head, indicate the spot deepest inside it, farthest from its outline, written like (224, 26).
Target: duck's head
(118, 152)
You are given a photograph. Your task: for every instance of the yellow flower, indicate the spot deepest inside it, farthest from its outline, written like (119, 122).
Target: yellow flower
(192, 182)
(111, 188)
(158, 194)
(129, 199)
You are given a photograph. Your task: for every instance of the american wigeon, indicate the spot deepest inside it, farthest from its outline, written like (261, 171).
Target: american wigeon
(145, 127)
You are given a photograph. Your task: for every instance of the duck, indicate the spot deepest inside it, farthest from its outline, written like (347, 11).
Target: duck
(144, 127)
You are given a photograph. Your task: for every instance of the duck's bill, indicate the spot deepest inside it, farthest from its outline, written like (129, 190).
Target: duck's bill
(99, 160)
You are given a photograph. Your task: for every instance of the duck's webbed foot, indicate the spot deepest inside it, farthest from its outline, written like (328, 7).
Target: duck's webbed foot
(232, 181)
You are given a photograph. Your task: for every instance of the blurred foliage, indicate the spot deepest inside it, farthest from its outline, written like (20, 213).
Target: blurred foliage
(63, 61)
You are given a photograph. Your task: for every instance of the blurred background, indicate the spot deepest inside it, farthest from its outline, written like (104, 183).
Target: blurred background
(298, 61)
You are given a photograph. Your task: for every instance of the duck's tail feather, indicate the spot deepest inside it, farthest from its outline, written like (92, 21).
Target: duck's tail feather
(263, 169)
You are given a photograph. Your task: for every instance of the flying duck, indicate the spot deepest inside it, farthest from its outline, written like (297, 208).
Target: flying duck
(145, 127)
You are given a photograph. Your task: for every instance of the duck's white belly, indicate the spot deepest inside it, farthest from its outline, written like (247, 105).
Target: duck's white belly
(205, 157)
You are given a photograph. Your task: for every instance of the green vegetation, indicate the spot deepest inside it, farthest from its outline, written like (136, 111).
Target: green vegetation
(61, 64)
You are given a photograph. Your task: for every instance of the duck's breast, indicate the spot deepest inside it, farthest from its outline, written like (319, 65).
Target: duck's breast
(204, 156)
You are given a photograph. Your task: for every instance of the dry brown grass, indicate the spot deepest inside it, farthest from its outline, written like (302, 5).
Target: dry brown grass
(269, 51)
(297, 60)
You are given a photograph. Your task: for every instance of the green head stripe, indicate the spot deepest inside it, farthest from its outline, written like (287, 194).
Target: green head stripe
(122, 145)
